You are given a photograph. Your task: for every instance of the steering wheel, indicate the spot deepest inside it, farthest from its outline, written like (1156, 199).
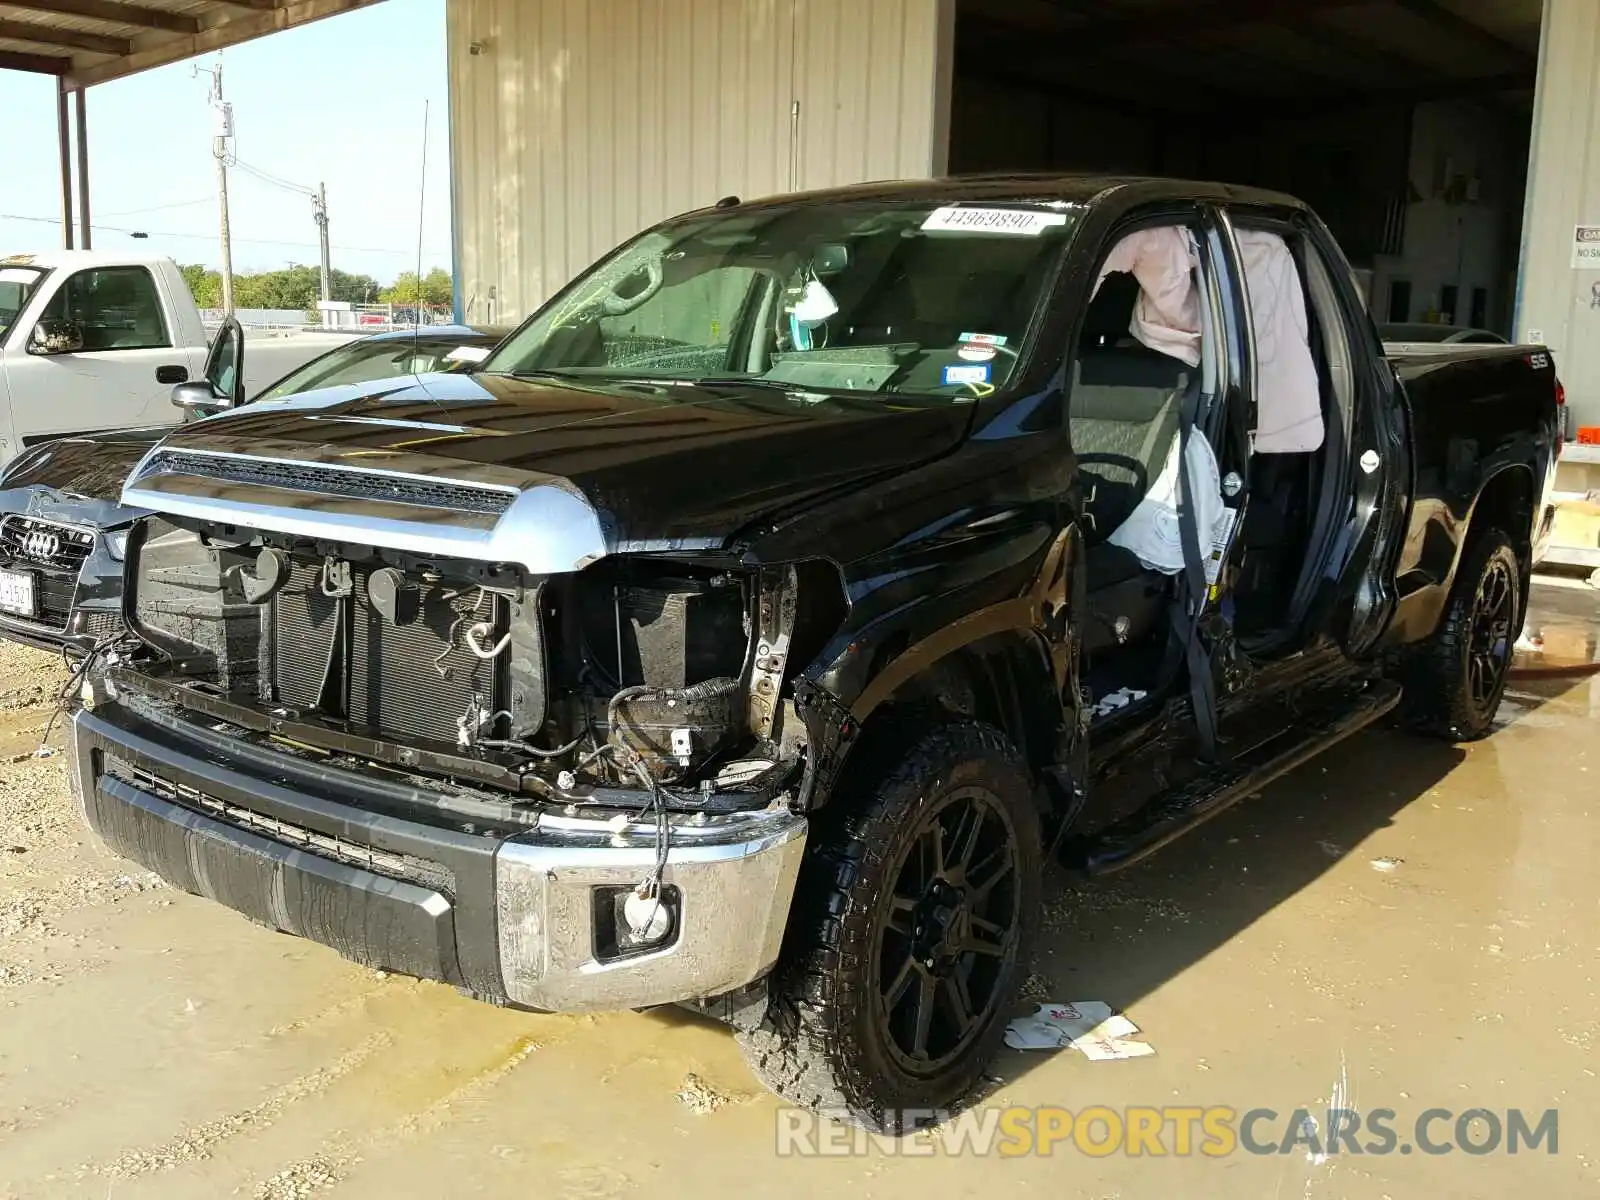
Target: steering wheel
(1141, 477)
(615, 304)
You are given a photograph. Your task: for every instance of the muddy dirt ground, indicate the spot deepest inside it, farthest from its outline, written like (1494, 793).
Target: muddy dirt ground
(1404, 924)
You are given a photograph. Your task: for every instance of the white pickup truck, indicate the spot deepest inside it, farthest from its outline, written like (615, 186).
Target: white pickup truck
(92, 341)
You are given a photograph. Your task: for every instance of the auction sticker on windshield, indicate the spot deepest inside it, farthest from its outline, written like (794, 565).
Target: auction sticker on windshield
(954, 374)
(1020, 221)
(16, 593)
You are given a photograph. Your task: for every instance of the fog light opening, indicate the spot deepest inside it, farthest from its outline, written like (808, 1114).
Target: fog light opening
(633, 920)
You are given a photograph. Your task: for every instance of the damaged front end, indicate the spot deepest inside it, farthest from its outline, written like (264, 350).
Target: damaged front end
(624, 733)
(640, 681)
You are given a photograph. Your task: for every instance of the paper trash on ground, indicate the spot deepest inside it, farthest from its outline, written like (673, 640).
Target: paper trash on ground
(1088, 1026)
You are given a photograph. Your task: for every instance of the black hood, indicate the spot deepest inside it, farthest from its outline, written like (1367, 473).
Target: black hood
(91, 467)
(659, 463)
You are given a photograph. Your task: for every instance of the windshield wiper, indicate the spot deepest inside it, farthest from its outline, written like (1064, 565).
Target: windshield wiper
(595, 379)
(755, 381)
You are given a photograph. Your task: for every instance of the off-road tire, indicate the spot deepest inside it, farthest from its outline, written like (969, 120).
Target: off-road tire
(820, 1047)
(1440, 699)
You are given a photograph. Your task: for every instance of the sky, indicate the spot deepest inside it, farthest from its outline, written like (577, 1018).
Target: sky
(339, 101)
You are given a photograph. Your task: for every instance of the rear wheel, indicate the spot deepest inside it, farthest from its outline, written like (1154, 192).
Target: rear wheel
(911, 925)
(1455, 681)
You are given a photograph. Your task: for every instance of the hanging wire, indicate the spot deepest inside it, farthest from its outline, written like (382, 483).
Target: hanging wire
(269, 178)
(209, 237)
(134, 212)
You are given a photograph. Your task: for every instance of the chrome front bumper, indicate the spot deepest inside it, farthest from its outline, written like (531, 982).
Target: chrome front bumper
(511, 914)
(734, 878)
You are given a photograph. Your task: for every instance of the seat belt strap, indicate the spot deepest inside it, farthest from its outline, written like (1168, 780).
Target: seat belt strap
(1148, 447)
(1191, 603)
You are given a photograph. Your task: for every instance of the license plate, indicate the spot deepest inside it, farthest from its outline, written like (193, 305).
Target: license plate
(17, 593)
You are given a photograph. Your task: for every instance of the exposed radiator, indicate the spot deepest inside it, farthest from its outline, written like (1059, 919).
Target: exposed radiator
(395, 689)
(302, 636)
(415, 697)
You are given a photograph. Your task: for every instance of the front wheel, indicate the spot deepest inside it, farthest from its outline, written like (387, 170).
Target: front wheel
(911, 925)
(1454, 681)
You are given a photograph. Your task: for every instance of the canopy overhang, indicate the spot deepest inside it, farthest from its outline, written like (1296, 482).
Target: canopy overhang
(84, 42)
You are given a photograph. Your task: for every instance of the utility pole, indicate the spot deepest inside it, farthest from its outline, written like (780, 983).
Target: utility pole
(223, 112)
(319, 207)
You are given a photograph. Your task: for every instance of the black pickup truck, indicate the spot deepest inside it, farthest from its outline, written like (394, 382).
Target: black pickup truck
(772, 604)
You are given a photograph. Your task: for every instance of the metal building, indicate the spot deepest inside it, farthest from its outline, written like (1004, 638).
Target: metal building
(576, 124)
(1407, 122)
(1451, 143)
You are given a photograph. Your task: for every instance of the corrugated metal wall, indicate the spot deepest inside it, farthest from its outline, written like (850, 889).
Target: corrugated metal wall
(575, 123)
(1558, 304)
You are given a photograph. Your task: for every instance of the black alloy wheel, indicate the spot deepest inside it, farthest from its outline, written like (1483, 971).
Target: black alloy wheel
(1454, 680)
(951, 931)
(910, 929)
(1489, 644)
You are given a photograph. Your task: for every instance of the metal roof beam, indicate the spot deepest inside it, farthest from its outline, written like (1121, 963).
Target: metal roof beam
(113, 12)
(39, 64)
(1055, 88)
(1165, 24)
(1358, 49)
(1088, 38)
(66, 39)
(241, 26)
(1437, 14)
(1481, 87)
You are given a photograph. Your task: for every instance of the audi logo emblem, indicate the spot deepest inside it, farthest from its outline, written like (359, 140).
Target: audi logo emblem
(38, 543)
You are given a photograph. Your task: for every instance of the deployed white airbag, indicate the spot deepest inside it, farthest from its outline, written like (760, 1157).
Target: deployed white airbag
(1152, 531)
(1167, 316)
(1288, 397)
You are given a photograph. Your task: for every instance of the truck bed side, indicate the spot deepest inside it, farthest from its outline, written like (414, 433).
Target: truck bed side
(1483, 437)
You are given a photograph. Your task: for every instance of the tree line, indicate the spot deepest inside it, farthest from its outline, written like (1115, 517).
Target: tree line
(300, 288)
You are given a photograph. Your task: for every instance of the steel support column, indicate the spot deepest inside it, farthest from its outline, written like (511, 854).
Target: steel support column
(82, 105)
(64, 134)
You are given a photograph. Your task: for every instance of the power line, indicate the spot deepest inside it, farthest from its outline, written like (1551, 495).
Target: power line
(156, 233)
(134, 212)
(269, 178)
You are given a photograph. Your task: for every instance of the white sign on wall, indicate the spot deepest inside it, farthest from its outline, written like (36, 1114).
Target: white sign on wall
(1586, 248)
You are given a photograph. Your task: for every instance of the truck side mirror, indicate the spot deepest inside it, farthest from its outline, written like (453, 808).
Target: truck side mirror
(199, 397)
(55, 337)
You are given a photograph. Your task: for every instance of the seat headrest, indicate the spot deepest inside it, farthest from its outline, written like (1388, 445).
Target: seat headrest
(1134, 404)
(1110, 313)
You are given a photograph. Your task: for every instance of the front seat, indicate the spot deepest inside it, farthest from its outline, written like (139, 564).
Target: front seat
(1123, 422)
(1123, 408)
